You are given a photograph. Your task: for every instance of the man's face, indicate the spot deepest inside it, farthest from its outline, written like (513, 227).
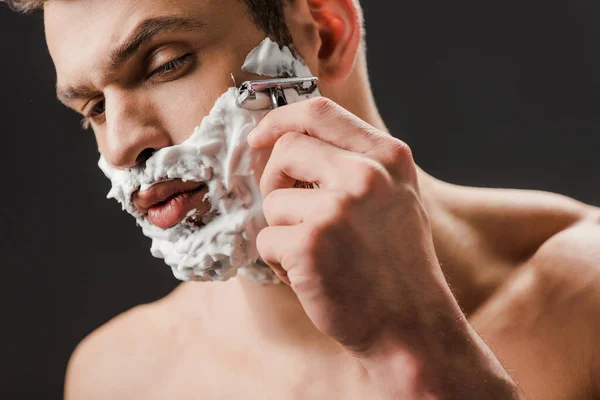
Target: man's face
(144, 72)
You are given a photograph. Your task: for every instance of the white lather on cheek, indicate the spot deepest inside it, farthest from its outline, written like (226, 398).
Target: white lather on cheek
(217, 154)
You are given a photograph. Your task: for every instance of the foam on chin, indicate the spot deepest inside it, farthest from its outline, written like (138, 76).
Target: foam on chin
(217, 154)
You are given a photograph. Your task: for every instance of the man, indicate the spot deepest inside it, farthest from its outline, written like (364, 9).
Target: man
(383, 263)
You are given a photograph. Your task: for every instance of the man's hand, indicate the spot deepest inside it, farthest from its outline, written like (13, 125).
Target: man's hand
(358, 252)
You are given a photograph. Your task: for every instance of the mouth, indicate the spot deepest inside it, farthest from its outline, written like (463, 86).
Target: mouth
(167, 203)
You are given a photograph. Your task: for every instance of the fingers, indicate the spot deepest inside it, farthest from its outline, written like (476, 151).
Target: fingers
(292, 206)
(320, 118)
(274, 243)
(298, 157)
(326, 121)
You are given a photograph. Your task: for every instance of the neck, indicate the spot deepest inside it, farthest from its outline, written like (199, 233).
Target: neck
(269, 315)
(276, 314)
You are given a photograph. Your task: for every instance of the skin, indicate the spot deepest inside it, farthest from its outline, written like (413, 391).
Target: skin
(393, 277)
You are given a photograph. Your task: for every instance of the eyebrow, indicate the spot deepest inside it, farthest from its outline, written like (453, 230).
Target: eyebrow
(65, 95)
(143, 33)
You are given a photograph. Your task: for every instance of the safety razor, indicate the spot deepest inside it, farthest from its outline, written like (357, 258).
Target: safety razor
(270, 93)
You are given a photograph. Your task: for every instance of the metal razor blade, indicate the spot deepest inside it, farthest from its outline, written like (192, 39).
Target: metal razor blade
(271, 93)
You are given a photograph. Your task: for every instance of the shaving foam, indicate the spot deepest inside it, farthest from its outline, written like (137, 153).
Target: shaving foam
(217, 154)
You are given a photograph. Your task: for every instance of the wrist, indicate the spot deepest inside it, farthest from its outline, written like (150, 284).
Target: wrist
(409, 359)
(447, 361)
(401, 374)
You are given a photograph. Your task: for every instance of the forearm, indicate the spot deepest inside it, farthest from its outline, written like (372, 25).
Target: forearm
(448, 362)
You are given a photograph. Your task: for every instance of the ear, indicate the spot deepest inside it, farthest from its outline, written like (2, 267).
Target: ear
(339, 26)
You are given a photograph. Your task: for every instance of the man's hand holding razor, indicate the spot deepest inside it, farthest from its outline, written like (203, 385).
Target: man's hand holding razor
(359, 254)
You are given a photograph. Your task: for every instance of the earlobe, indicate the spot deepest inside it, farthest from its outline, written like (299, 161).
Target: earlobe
(339, 28)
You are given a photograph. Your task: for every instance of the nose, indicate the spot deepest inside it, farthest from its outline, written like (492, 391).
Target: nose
(133, 130)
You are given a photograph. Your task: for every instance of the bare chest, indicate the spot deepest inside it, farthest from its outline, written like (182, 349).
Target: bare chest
(203, 373)
(264, 388)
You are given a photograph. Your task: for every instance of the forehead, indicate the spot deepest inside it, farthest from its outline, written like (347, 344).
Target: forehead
(82, 33)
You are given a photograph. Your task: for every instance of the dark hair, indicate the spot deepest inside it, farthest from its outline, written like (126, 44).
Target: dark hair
(268, 15)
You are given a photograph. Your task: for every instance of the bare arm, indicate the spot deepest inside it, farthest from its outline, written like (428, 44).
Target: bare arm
(456, 364)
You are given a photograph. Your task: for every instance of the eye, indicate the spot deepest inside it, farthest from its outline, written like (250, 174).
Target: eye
(96, 111)
(172, 66)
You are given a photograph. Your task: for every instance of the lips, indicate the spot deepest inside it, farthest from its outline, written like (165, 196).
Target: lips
(167, 203)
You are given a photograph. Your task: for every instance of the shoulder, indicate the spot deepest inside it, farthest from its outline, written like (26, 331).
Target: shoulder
(552, 239)
(567, 268)
(115, 360)
(546, 315)
(565, 271)
(549, 304)
(512, 224)
(573, 253)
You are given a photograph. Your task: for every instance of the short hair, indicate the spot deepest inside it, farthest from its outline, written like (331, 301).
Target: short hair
(268, 15)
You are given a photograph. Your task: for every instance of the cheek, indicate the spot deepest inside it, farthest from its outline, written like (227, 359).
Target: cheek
(100, 135)
(185, 102)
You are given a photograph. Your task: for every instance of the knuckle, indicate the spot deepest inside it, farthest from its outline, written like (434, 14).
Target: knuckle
(399, 151)
(369, 177)
(321, 106)
(396, 157)
(286, 142)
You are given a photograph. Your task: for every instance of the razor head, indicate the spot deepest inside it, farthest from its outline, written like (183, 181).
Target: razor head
(271, 93)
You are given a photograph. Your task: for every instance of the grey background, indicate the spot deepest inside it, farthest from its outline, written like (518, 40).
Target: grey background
(500, 94)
